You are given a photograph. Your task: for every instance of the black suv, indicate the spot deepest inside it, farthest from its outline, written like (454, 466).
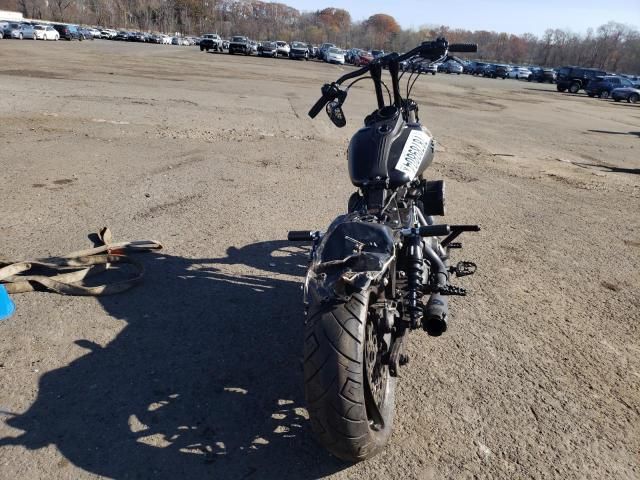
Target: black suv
(68, 32)
(575, 78)
(542, 75)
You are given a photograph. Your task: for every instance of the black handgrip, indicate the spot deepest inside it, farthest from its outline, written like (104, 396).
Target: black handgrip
(465, 228)
(319, 105)
(463, 47)
(300, 236)
(434, 230)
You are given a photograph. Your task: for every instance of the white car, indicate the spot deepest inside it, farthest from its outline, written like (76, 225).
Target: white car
(519, 72)
(24, 30)
(45, 32)
(108, 34)
(335, 55)
(166, 40)
(282, 48)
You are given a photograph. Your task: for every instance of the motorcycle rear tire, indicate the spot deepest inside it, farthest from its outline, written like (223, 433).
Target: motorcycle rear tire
(336, 391)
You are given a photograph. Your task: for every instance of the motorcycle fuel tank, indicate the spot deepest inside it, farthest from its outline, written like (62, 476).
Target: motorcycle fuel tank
(390, 150)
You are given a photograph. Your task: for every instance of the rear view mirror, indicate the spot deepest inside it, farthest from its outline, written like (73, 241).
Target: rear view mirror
(334, 110)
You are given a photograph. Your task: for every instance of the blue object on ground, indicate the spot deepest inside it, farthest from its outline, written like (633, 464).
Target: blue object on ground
(6, 305)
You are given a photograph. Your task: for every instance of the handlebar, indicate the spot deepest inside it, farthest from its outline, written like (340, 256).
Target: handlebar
(463, 47)
(429, 50)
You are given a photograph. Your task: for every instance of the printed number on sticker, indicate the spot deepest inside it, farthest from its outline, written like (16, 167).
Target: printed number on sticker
(413, 152)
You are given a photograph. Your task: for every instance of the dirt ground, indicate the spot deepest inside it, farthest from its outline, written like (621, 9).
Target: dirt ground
(197, 372)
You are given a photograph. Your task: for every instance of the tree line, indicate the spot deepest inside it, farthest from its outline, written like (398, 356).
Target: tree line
(612, 46)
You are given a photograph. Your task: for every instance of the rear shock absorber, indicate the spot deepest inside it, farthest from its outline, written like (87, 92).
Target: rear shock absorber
(415, 268)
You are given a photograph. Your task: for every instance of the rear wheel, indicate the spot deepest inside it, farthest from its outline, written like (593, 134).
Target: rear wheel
(574, 87)
(604, 94)
(349, 391)
(633, 98)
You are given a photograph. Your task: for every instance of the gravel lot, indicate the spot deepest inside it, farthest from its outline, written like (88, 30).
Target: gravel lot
(197, 373)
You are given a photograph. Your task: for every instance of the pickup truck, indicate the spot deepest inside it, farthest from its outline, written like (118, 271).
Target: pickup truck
(211, 41)
(240, 44)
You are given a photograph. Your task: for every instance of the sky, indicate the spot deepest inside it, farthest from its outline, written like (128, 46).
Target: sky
(511, 16)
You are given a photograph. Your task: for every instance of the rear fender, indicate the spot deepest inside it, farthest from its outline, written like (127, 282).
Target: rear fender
(351, 256)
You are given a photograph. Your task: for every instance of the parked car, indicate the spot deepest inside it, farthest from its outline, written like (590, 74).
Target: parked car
(86, 33)
(108, 34)
(519, 73)
(363, 58)
(335, 55)
(211, 41)
(313, 51)
(24, 31)
(68, 32)
(350, 55)
(419, 66)
(479, 68)
(575, 78)
(322, 53)
(95, 33)
(489, 70)
(122, 36)
(603, 86)
(268, 49)
(542, 75)
(138, 37)
(630, 94)
(469, 67)
(452, 67)
(239, 44)
(377, 53)
(45, 32)
(166, 40)
(299, 50)
(283, 49)
(498, 71)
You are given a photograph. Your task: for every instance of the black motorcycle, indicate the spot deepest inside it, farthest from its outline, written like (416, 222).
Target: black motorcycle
(381, 269)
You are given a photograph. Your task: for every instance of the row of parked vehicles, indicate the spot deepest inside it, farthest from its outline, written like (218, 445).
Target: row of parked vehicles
(45, 31)
(239, 44)
(597, 83)
(59, 31)
(594, 82)
(517, 72)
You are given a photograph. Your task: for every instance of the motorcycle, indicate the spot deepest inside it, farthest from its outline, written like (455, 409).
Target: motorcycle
(380, 270)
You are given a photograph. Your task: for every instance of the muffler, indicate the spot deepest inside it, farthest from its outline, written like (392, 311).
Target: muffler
(434, 320)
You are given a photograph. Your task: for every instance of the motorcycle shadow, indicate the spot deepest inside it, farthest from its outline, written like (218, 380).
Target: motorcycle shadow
(205, 379)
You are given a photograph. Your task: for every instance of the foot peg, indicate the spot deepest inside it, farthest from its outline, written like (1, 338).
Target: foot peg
(434, 320)
(462, 269)
(449, 289)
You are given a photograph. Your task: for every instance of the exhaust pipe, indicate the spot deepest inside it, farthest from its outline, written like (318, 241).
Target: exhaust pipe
(434, 320)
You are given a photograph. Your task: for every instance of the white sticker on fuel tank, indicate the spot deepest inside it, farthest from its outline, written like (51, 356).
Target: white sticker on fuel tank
(413, 152)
